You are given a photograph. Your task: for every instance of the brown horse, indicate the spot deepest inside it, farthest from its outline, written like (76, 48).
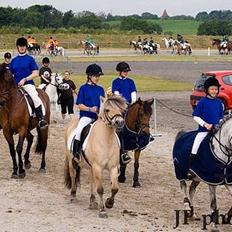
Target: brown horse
(182, 49)
(89, 49)
(101, 152)
(222, 49)
(15, 119)
(137, 121)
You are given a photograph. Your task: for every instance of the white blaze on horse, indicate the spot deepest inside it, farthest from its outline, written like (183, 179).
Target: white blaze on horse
(100, 151)
(212, 165)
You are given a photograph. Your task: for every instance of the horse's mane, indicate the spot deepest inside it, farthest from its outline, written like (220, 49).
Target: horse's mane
(116, 101)
(146, 107)
(224, 120)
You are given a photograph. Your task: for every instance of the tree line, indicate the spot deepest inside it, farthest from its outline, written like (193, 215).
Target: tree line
(46, 16)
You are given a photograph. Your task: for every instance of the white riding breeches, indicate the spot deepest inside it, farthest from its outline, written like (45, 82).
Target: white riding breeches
(84, 121)
(31, 90)
(197, 142)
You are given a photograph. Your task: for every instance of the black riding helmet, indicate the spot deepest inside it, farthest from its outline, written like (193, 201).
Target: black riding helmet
(211, 81)
(21, 42)
(94, 69)
(123, 67)
(7, 55)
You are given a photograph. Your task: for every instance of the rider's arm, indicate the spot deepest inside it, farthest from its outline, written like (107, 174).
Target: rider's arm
(133, 97)
(86, 108)
(45, 79)
(200, 121)
(34, 74)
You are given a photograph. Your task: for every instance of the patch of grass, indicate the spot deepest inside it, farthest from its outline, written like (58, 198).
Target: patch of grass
(143, 83)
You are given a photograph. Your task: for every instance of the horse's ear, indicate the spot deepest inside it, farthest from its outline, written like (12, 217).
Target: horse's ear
(139, 101)
(150, 101)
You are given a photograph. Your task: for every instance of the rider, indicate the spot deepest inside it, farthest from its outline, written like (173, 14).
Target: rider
(45, 71)
(51, 44)
(89, 41)
(152, 43)
(225, 40)
(180, 39)
(24, 70)
(125, 87)
(145, 42)
(88, 102)
(139, 42)
(208, 113)
(7, 60)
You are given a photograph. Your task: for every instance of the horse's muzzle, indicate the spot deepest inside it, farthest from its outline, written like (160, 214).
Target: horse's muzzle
(119, 123)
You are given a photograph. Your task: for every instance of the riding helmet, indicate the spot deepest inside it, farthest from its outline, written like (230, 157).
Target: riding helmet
(123, 67)
(94, 69)
(21, 42)
(7, 55)
(211, 81)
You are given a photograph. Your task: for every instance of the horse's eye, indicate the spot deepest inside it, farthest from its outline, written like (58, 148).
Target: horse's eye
(107, 110)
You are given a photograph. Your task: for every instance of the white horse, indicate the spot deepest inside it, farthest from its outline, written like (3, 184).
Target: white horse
(221, 144)
(169, 43)
(59, 51)
(51, 90)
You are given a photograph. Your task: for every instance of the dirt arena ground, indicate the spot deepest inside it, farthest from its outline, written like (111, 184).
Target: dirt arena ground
(41, 203)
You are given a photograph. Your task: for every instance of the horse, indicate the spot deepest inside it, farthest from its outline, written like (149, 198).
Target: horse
(100, 151)
(182, 49)
(59, 51)
(169, 43)
(34, 49)
(220, 160)
(137, 122)
(222, 49)
(89, 49)
(15, 119)
(52, 89)
(137, 46)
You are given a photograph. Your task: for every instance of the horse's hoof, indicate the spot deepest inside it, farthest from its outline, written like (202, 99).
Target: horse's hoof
(42, 170)
(103, 214)
(93, 205)
(109, 203)
(121, 179)
(22, 175)
(28, 165)
(14, 176)
(73, 199)
(136, 184)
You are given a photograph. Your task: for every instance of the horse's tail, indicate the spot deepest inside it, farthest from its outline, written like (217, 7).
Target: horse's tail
(67, 176)
(41, 144)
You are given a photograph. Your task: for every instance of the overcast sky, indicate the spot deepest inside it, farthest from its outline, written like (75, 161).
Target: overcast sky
(126, 7)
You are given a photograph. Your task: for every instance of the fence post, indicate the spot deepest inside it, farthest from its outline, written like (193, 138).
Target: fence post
(155, 119)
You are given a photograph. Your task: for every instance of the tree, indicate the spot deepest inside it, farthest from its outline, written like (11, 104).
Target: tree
(68, 18)
(202, 16)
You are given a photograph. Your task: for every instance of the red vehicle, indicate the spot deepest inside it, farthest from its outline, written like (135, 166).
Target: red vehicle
(225, 94)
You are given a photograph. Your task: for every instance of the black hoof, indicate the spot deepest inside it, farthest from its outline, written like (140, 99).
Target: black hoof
(14, 176)
(121, 179)
(136, 184)
(109, 203)
(42, 170)
(28, 165)
(22, 174)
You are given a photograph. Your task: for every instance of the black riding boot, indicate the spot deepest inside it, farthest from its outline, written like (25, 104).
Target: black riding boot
(39, 114)
(76, 150)
(124, 157)
(190, 173)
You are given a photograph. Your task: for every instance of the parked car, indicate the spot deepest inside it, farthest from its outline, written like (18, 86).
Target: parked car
(225, 94)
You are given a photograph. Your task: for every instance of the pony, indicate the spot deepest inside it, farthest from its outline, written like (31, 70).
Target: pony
(34, 49)
(89, 49)
(182, 49)
(136, 121)
(100, 151)
(52, 89)
(15, 119)
(222, 49)
(169, 43)
(59, 51)
(221, 146)
(136, 46)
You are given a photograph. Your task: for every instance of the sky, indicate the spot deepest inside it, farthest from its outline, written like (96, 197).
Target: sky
(127, 7)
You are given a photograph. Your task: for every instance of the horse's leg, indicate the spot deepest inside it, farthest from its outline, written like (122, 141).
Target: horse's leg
(184, 188)
(29, 138)
(10, 141)
(136, 169)
(92, 204)
(19, 149)
(192, 191)
(229, 213)
(73, 175)
(213, 205)
(114, 187)
(97, 174)
(122, 173)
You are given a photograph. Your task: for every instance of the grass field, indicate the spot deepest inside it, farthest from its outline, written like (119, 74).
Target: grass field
(143, 83)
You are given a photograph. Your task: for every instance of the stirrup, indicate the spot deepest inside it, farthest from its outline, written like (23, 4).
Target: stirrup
(125, 158)
(191, 175)
(43, 124)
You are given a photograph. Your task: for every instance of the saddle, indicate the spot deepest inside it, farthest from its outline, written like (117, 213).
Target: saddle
(206, 165)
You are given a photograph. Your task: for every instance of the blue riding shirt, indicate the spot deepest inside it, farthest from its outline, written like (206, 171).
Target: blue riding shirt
(89, 95)
(125, 86)
(22, 66)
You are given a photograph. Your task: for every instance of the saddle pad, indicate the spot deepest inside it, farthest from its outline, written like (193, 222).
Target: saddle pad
(206, 165)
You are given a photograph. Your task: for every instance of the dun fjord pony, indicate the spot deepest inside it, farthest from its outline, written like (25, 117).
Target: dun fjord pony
(15, 119)
(215, 170)
(51, 90)
(100, 152)
(222, 49)
(137, 121)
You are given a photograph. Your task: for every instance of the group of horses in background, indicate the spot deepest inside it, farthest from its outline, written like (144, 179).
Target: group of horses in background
(145, 48)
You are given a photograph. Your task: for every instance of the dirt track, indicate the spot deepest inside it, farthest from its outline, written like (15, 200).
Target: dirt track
(41, 203)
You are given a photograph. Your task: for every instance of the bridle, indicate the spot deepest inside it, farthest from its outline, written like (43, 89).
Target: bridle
(110, 119)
